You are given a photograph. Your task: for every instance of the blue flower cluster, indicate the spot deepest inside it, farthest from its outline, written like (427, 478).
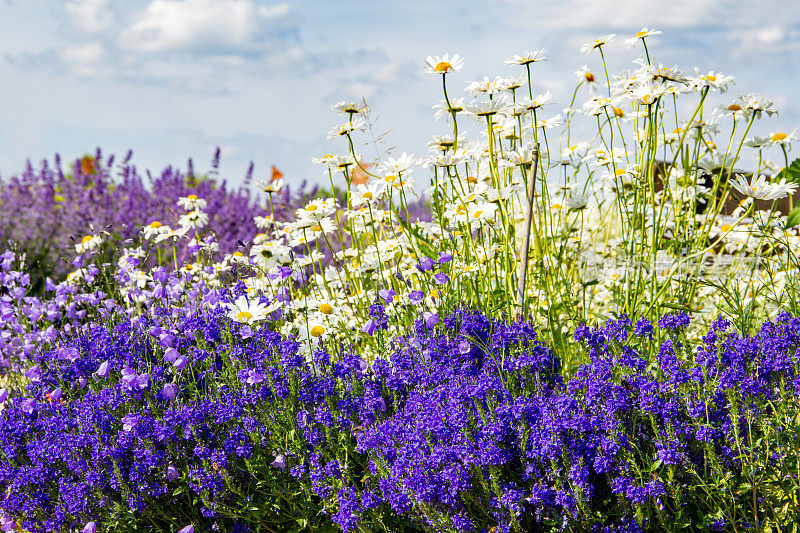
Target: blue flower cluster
(466, 425)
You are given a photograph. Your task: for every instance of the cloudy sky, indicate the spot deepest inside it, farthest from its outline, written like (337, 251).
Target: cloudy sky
(173, 79)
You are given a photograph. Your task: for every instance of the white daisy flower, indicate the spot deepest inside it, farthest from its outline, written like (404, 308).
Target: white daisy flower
(631, 43)
(88, 243)
(191, 202)
(249, 312)
(528, 57)
(443, 64)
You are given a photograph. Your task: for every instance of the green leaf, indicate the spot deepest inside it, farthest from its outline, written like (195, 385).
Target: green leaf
(793, 218)
(792, 172)
(678, 307)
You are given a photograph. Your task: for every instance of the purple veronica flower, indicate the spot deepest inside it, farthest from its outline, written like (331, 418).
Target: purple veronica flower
(171, 355)
(56, 394)
(187, 529)
(387, 294)
(129, 422)
(431, 319)
(425, 264)
(90, 527)
(370, 327)
(34, 373)
(245, 332)
(440, 278)
(416, 297)
(279, 462)
(254, 377)
(172, 473)
(444, 257)
(180, 363)
(169, 391)
(102, 371)
(160, 274)
(283, 295)
(3, 395)
(27, 406)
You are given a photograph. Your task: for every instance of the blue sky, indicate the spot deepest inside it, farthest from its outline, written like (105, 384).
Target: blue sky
(173, 79)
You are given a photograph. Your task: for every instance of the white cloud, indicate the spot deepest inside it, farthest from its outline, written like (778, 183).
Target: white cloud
(217, 26)
(90, 16)
(84, 59)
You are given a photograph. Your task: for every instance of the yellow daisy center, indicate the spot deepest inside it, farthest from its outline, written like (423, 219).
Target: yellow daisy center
(311, 207)
(711, 78)
(237, 254)
(243, 316)
(86, 239)
(368, 195)
(619, 172)
(317, 331)
(589, 77)
(443, 66)
(734, 107)
(477, 214)
(779, 137)
(326, 309)
(640, 34)
(619, 112)
(725, 227)
(192, 197)
(155, 224)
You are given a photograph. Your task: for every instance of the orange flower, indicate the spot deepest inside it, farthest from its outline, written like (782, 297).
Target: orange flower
(87, 165)
(276, 174)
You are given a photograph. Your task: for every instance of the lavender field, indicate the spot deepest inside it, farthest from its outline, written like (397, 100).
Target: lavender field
(580, 317)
